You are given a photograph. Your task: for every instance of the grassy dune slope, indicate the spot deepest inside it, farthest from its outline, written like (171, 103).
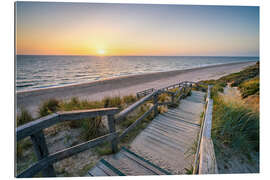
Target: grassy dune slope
(235, 130)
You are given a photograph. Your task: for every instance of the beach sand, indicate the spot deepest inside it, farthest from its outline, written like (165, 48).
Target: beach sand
(121, 86)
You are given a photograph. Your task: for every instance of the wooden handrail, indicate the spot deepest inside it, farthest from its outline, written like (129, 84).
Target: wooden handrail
(196, 159)
(132, 107)
(47, 121)
(207, 160)
(132, 126)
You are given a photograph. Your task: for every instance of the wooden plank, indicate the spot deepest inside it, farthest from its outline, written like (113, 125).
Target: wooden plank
(106, 169)
(41, 151)
(45, 162)
(36, 126)
(208, 164)
(195, 163)
(114, 169)
(136, 122)
(80, 114)
(96, 171)
(142, 163)
(132, 107)
(208, 119)
(149, 164)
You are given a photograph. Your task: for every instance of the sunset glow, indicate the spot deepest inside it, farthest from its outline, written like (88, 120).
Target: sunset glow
(101, 29)
(101, 52)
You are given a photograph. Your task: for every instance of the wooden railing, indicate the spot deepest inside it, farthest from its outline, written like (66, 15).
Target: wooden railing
(149, 91)
(35, 128)
(205, 160)
(145, 92)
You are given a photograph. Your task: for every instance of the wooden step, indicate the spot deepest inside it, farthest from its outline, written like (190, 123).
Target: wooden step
(176, 120)
(104, 168)
(157, 170)
(193, 122)
(126, 162)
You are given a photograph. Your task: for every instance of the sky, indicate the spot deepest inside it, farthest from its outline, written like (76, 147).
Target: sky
(136, 29)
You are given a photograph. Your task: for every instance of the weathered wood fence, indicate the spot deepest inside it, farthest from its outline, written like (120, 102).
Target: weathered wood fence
(205, 160)
(35, 128)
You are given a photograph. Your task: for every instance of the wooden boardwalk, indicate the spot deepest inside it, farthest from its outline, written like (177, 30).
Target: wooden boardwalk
(164, 147)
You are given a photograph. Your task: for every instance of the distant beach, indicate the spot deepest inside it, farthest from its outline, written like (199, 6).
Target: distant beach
(125, 85)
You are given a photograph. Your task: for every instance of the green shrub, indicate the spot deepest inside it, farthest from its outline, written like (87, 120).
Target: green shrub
(48, 107)
(250, 87)
(24, 117)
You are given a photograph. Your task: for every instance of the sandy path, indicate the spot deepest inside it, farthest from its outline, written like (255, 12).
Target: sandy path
(124, 85)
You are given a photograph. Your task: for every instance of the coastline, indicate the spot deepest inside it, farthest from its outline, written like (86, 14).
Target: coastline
(123, 85)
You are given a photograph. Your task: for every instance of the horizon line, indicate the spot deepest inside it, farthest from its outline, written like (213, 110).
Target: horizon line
(138, 55)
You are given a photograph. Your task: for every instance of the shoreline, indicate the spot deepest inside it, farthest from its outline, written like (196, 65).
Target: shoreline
(123, 85)
(129, 76)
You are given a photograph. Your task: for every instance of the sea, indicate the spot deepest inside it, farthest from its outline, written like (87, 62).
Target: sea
(40, 71)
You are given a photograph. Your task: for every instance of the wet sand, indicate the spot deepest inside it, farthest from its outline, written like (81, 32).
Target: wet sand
(121, 86)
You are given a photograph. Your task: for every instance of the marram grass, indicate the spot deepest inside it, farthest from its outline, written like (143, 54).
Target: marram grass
(235, 126)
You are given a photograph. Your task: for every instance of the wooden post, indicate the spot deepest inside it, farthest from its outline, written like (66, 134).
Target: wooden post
(41, 151)
(111, 124)
(156, 104)
(173, 95)
(183, 91)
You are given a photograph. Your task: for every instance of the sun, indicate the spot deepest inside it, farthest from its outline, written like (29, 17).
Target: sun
(101, 52)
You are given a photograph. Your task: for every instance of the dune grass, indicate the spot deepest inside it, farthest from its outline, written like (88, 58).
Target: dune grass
(236, 125)
(23, 117)
(250, 87)
(48, 107)
(238, 79)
